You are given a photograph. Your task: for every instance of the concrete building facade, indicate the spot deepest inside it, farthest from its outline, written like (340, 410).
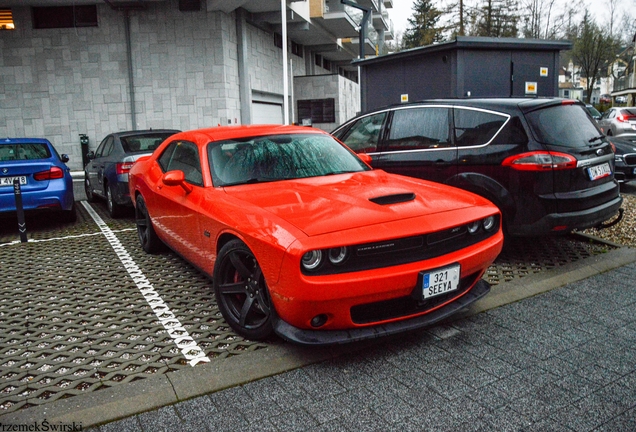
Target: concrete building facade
(216, 64)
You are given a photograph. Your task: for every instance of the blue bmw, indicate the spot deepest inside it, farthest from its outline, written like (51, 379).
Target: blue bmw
(45, 180)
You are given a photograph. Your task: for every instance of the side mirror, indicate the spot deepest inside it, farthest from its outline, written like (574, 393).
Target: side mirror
(176, 178)
(365, 158)
(64, 157)
(90, 155)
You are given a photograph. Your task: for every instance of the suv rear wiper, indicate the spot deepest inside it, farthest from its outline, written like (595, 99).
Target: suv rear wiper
(600, 137)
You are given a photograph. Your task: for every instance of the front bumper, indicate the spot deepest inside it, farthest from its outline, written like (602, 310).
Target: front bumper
(330, 337)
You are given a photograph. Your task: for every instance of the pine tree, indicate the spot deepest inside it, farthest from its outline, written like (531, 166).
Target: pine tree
(497, 18)
(423, 25)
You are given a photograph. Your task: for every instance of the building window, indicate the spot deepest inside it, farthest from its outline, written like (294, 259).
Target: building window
(64, 16)
(318, 110)
(318, 60)
(326, 64)
(297, 49)
(566, 93)
(6, 20)
(278, 40)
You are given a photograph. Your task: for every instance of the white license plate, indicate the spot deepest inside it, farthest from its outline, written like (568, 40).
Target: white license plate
(440, 281)
(599, 171)
(8, 181)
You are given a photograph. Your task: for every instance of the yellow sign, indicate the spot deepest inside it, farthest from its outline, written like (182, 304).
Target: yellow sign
(531, 87)
(404, 98)
(544, 72)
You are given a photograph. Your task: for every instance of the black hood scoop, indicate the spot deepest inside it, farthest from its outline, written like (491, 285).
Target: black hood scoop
(393, 199)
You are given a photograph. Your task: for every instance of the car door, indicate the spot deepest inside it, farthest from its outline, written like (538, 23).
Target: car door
(92, 168)
(418, 143)
(99, 164)
(474, 130)
(176, 209)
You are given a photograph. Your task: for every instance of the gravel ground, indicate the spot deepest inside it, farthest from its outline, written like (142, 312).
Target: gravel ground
(624, 233)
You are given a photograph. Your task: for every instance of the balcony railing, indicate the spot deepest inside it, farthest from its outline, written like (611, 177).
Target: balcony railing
(624, 83)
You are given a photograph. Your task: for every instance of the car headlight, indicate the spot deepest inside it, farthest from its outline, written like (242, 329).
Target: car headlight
(312, 260)
(489, 223)
(338, 255)
(618, 158)
(473, 227)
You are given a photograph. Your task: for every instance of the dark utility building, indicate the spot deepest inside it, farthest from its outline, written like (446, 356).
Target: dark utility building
(465, 67)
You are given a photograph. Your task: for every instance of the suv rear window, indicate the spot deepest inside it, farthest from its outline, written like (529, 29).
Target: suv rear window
(26, 151)
(563, 125)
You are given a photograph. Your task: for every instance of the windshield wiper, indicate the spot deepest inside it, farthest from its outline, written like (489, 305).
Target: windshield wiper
(600, 137)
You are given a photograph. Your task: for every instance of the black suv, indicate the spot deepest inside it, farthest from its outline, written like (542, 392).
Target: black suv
(542, 161)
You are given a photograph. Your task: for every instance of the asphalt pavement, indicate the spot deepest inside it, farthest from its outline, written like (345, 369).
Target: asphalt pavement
(564, 360)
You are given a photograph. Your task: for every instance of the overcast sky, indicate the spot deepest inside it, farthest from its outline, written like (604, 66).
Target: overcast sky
(403, 9)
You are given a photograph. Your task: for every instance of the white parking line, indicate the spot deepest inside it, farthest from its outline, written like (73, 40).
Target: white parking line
(16, 242)
(189, 348)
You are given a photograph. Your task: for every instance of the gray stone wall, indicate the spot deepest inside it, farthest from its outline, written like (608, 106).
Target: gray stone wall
(58, 83)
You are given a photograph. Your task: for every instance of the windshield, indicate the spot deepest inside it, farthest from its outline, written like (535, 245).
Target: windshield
(279, 157)
(563, 125)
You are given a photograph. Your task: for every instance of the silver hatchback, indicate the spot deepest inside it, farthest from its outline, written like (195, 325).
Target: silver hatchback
(618, 120)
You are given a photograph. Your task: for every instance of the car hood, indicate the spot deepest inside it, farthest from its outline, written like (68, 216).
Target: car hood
(624, 143)
(322, 205)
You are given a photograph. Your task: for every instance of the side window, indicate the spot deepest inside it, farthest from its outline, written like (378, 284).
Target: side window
(420, 128)
(363, 136)
(100, 148)
(166, 157)
(108, 148)
(474, 127)
(183, 156)
(512, 133)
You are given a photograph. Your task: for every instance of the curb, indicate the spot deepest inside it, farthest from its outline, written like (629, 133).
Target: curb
(124, 400)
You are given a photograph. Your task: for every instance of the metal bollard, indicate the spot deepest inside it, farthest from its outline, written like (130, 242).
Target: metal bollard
(17, 192)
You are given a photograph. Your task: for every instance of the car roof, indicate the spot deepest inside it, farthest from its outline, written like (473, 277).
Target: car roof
(526, 104)
(24, 140)
(144, 132)
(244, 131)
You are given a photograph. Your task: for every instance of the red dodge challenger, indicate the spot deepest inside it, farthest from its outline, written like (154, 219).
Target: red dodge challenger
(303, 239)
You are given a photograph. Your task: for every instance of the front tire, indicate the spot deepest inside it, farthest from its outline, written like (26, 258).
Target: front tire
(241, 291)
(148, 238)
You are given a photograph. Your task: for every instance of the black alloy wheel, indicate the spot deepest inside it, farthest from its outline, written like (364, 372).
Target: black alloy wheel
(241, 292)
(148, 238)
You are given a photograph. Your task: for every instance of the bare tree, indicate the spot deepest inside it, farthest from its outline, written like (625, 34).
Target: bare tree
(592, 49)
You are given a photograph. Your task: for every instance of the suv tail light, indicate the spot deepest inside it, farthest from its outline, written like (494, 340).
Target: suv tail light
(52, 173)
(124, 167)
(540, 161)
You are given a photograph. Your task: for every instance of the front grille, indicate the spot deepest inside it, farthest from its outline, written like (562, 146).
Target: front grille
(630, 159)
(406, 250)
(405, 306)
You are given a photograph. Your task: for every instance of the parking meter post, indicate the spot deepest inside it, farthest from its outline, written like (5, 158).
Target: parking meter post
(17, 192)
(84, 146)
